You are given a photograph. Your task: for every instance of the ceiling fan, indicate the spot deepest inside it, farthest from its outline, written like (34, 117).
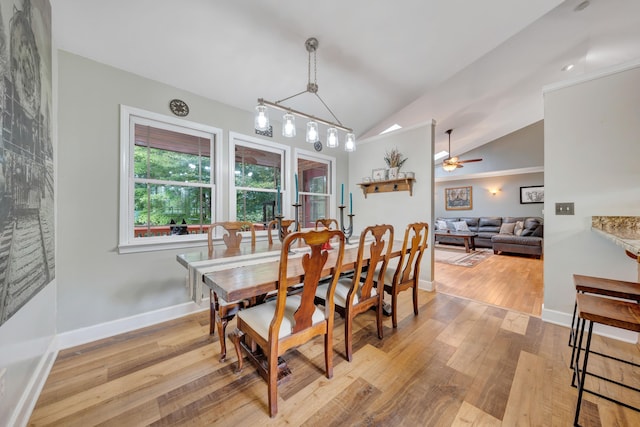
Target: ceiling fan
(452, 163)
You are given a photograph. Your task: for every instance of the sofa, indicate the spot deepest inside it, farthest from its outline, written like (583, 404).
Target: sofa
(516, 235)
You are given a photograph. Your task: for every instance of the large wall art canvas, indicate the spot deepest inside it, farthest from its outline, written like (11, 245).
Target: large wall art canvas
(27, 244)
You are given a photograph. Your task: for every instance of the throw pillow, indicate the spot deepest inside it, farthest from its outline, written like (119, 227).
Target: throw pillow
(461, 226)
(537, 232)
(442, 225)
(507, 227)
(518, 228)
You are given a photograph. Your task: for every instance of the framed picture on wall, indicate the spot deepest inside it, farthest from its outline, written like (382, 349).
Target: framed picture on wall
(532, 194)
(458, 198)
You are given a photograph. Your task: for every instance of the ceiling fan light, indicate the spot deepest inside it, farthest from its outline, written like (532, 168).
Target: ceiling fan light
(312, 132)
(262, 118)
(448, 167)
(350, 142)
(332, 138)
(288, 125)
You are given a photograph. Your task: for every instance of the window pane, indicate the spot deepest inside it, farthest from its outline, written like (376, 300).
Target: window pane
(313, 208)
(315, 176)
(155, 206)
(255, 206)
(171, 156)
(256, 168)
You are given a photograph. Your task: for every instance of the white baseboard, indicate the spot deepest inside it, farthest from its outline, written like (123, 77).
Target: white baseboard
(564, 319)
(426, 285)
(29, 397)
(127, 324)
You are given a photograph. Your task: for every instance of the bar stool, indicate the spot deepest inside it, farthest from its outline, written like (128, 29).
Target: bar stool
(604, 287)
(605, 311)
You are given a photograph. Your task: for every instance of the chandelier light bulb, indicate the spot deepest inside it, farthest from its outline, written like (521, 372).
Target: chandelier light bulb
(288, 125)
(262, 118)
(332, 138)
(312, 132)
(350, 142)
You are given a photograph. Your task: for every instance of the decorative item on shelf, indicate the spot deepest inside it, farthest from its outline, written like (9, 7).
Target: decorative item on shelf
(379, 174)
(394, 162)
(288, 121)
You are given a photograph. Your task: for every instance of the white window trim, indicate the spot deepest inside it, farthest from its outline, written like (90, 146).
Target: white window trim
(126, 242)
(260, 144)
(311, 155)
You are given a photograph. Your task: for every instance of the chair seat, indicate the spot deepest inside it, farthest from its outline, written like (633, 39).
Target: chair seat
(259, 317)
(342, 289)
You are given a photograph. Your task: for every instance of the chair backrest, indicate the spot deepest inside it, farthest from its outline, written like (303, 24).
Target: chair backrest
(327, 223)
(313, 265)
(378, 241)
(233, 237)
(273, 225)
(415, 242)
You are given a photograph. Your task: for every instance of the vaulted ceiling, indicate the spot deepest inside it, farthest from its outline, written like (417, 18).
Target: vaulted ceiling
(475, 66)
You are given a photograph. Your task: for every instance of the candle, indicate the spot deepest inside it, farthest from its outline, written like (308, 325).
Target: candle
(296, 178)
(342, 196)
(350, 203)
(277, 200)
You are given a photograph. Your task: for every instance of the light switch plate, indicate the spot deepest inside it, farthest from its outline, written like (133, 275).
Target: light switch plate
(564, 208)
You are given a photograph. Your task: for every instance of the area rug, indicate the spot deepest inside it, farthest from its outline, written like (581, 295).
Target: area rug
(457, 255)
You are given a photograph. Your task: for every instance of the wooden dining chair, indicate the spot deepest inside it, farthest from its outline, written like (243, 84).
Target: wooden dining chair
(406, 273)
(221, 311)
(291, 320)
(354, 295)
(328, 223)
(273, 225)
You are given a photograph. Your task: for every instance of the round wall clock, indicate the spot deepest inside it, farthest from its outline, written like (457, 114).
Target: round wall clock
(179, 107)
(317, 145)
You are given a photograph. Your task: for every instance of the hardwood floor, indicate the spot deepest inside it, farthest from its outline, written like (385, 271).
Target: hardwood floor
(509, 281)
(459, 362)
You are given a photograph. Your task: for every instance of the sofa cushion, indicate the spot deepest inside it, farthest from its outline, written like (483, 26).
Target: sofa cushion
(441, 225)
(518, 228)
(460, 226)
(507, 227)
(516, 240)
(538, 231)
(530, 224)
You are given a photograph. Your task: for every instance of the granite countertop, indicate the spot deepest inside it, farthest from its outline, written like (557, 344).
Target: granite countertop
(624, 231)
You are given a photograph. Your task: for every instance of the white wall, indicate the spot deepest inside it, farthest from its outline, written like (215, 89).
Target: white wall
(396, 208)
(592, 150)
(98, 288)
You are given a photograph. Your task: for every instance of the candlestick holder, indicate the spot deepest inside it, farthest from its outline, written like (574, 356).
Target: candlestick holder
(297, 206)
(283, 227)
(348, 230)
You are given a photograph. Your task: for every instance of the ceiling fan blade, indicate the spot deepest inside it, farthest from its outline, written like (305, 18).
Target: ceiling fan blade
(469, 161)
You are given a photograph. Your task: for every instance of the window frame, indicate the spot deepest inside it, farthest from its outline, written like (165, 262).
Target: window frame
(331, 187)
(128, 117)
(259, 144)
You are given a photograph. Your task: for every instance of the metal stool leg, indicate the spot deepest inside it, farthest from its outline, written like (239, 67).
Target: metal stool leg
(584, 369)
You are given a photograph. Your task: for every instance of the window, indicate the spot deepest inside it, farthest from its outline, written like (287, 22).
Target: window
(316, 176)
(168, 175)
(258, 169)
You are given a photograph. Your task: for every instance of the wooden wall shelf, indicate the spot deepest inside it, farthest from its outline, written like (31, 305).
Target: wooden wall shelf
(403, 184)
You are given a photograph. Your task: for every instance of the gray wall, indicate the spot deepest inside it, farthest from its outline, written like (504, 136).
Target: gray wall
(506, 201)
(591, 159)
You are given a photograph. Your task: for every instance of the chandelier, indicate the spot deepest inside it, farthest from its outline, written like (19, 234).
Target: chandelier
(289, 118)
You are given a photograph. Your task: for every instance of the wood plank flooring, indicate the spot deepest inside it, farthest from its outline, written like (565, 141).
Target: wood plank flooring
(509, 281)
(459, 362)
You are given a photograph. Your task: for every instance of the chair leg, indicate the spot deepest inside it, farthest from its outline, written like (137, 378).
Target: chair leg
(379, 319)
(415, 299)
(328, 352)
(235, 337)
(273, 384)
(394, 308)
(348, 331)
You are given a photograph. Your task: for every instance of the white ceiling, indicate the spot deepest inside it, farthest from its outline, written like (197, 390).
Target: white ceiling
(475, 66)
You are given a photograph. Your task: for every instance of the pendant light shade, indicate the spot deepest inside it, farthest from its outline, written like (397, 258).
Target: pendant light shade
(332, 138)
(312, 132)
(350, 142)
(262, 118)
(289, 125)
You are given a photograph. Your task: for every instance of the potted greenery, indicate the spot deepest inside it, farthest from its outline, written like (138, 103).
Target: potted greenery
(394, 161)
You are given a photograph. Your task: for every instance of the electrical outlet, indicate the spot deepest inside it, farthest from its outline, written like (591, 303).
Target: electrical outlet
(564, 208)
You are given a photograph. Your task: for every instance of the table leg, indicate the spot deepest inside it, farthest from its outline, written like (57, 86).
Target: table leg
(473, 242)
(466, 244)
